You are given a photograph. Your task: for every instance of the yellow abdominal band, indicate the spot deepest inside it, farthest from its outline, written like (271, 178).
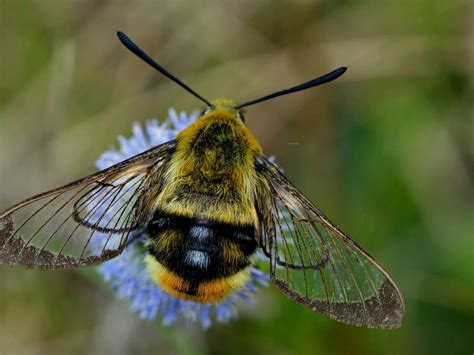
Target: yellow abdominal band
(208, 291)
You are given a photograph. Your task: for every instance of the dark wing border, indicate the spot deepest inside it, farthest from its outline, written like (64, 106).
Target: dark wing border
(385, 309)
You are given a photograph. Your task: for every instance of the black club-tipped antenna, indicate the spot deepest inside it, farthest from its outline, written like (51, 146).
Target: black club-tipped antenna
(309, 84)
(131, 46)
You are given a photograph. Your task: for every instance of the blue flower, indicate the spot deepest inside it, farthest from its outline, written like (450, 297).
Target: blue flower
(127, 273)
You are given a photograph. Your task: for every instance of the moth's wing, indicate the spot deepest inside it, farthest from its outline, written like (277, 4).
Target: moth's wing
(316, 264)
(83, 223)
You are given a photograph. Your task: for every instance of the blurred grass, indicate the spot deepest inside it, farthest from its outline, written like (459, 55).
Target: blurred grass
(387, 152)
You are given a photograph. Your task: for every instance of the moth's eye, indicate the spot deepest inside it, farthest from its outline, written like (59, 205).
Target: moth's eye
(241, 116)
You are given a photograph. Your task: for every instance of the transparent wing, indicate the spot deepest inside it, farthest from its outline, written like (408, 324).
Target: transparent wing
(83, 223)
(316, 264)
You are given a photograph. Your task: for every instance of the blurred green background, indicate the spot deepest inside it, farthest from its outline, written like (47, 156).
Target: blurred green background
(387, 152)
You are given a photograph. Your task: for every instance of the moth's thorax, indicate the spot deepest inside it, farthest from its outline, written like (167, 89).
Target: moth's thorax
(212, 173)
(223, 116)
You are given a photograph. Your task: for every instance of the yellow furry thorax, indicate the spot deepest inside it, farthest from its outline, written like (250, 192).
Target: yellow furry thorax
(185, 165)
(222, 110)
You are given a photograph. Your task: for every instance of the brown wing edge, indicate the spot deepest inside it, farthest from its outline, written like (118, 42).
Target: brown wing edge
(10, 245)
(355, 313)
(45, 260)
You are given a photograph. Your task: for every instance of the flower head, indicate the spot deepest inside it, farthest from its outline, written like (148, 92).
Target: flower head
(127, 273)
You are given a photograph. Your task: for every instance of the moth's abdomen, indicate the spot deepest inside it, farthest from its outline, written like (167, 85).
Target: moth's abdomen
(199, 259)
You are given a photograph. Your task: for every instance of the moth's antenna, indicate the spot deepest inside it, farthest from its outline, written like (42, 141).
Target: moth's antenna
(127, 42)
(309, 84)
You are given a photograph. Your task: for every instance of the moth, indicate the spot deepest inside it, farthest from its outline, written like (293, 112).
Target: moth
(208, 202)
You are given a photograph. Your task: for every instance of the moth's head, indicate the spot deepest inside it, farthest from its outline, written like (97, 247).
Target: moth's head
(223, 107)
